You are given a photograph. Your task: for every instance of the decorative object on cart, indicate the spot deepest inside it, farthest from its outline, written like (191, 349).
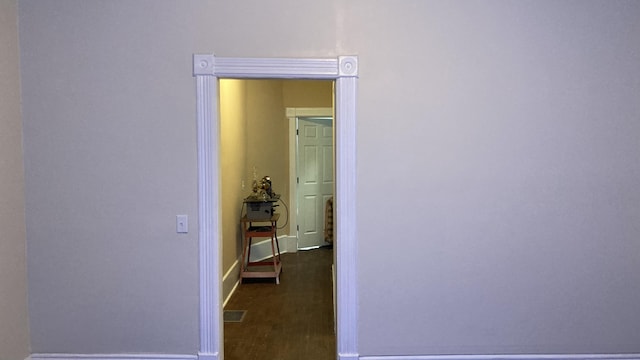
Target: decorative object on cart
(261, 202)
(262, 189)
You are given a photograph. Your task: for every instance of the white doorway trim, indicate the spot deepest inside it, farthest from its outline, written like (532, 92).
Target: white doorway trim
(344, 70)
(292, 114)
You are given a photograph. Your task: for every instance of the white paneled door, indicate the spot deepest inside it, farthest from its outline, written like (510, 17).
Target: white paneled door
(315, 178)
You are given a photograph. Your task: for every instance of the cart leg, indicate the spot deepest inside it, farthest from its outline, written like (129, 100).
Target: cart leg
(243, 266)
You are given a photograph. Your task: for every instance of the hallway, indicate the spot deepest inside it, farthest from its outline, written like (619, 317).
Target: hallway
(293, 320)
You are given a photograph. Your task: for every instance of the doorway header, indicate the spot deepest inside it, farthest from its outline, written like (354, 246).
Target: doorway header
(275, 68)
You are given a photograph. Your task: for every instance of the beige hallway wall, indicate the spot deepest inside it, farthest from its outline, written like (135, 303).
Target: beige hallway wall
(308, 93)
(233, 164)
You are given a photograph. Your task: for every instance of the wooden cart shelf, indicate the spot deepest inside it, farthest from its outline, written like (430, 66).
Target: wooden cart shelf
(262, 228)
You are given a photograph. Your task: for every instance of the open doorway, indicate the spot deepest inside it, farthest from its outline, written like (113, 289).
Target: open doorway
(256, 138)
(344, 70)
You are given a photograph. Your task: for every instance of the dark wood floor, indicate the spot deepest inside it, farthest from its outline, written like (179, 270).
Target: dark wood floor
(293, 320)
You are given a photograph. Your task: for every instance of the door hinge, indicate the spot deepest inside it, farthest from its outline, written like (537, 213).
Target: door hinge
(297, 132)
(297, 180)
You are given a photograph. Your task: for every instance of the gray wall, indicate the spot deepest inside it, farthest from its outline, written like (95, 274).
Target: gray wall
(504, 134)
(14, 332)
(508, 142)
(110, 160)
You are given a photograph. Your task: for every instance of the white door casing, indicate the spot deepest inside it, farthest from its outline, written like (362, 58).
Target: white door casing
(344, 70)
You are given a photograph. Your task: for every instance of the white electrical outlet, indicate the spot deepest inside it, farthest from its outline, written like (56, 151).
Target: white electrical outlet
(182, 224)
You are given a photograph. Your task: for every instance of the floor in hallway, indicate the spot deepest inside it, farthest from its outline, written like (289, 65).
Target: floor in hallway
(293, 320)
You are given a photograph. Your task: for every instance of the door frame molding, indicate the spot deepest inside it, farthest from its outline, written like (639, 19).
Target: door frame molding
(292, 114)
(207, 69)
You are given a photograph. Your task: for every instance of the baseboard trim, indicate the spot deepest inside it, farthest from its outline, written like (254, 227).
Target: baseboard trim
(51, 356)
(208, 356)
(348, 357)
(262, 250)
(507, 357)
(290, 243)
(230, 282)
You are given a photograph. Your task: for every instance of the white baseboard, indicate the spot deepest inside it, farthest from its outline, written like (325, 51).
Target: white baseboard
(344, 357)
(348, 357)
(230, 281)
(507, 357)
(262, 250)
(289, 244)
(112, 357)
(208, 356)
